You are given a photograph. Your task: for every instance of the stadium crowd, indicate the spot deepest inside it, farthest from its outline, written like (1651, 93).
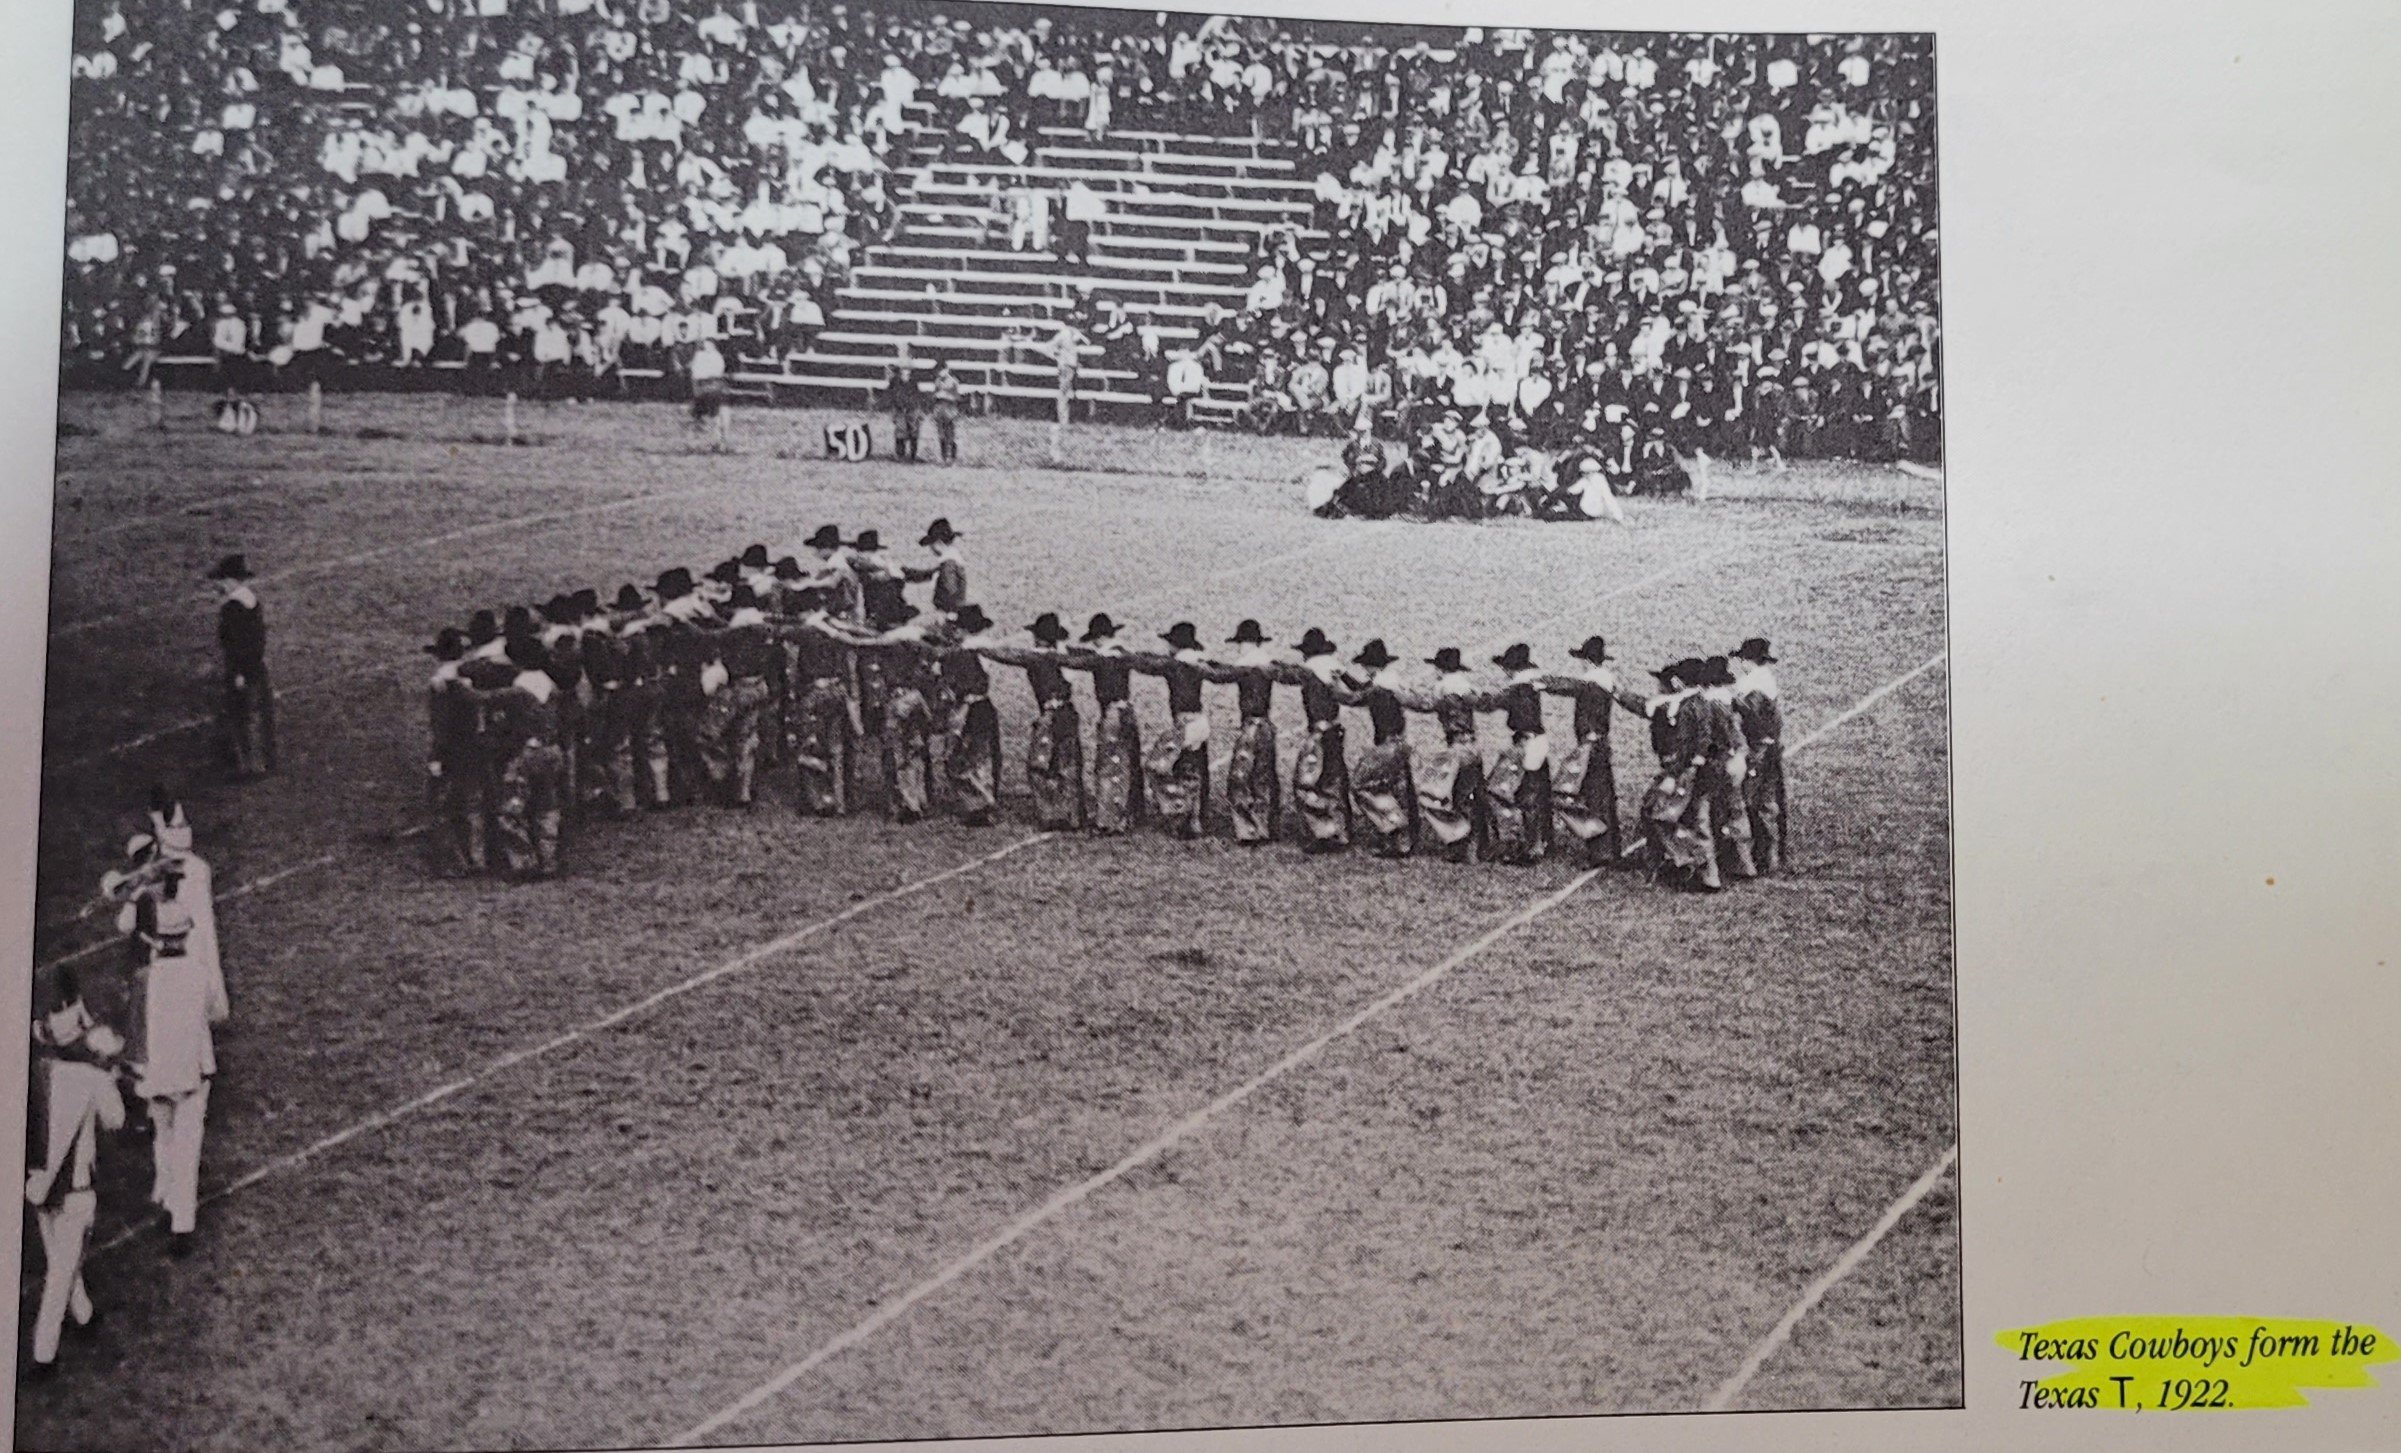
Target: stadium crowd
(1534, 227)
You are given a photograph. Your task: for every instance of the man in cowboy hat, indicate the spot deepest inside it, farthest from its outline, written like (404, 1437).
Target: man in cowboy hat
(1727, 766)
(825, 724)
(1254, 786)
(1116, 737)
(1054, 750)
(881, 583)
(452, 761)
(1383, 782)
(525, 820)
(603, 654)
(830, 573)
(1584, 779)
(1678, 841)
(949, 570)
(970, 725)
(1321, 777)
(1177, 769)
(1450, 783)
(1517, 797)
(743, 653)
(249, 701)
(1759, 708)
(681, 617)
(638, 765)
(75, 1099)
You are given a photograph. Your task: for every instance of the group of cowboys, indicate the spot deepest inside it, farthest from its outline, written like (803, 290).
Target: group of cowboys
(819, 664)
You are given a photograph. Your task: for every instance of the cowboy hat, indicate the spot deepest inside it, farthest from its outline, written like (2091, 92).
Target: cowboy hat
(1374, 655)
(1754, 650)
(1101, 628)
(971, 619)
(1519, 657)
(1313, 642)
(1047, 629)
(868, 540)
(449, 644)
(232, 567)
(939, 533)
(826, 538)
(629, 597)
(1247, 634)
(1594, 650)
(1182, 635)
(1446, 659)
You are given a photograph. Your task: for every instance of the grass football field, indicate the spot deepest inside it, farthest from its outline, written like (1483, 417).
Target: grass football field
(757, 1128)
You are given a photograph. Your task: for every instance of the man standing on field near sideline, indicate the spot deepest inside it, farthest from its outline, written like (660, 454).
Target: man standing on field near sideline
(249, 701)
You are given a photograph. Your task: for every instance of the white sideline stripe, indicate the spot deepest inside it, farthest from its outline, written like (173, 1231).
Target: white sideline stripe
(1869, 701)
(1160, 1144)
(1843, 1266)
(1069, 1197)
(749, 958)
(490, 527)
(132, 522)
(1129, 605)
(1526, 633)
(174, 729)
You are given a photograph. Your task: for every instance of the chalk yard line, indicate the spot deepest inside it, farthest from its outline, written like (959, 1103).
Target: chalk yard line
(1069, 1197)
(747, 959)
(318, 567)
(1815, 1292)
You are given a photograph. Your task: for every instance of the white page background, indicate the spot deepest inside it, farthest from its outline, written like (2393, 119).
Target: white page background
(2171, 318)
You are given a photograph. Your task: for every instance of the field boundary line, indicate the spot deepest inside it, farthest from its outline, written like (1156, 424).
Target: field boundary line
(1069, 1197)
(1723, 1399)
(1690, 562)
(469, 532)
(131, 522)
(747, 959)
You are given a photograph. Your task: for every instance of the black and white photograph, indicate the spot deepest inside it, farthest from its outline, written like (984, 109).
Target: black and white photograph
(773, 722)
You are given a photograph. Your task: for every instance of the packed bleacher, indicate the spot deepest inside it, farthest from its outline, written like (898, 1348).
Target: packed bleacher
(1297, 226)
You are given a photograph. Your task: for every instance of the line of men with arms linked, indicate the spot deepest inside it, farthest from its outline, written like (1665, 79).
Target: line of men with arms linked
(820, 666)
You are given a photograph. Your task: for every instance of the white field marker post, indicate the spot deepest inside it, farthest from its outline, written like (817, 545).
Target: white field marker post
(725, 426)
(316, 407)
(1208, 453)
(508, 418)
(158, 405)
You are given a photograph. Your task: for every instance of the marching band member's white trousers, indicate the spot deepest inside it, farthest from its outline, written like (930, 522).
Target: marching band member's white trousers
(177, 1122)
(65, 1229)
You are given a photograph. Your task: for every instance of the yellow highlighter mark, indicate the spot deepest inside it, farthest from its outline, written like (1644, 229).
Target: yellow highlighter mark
(2192, 1364)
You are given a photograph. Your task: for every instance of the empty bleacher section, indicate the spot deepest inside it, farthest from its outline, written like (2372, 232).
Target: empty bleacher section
(1181, 227)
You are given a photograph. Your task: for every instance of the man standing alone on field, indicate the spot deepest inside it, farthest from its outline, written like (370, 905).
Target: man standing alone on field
(947, 394)
(906, 398)
(249, 702)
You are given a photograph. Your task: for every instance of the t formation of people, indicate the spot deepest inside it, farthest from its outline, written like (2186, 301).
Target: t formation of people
(545, 717)
(548, 719)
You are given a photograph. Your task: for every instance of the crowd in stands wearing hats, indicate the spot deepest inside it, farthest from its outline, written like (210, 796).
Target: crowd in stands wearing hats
(1701, 243)
(1617, 249)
